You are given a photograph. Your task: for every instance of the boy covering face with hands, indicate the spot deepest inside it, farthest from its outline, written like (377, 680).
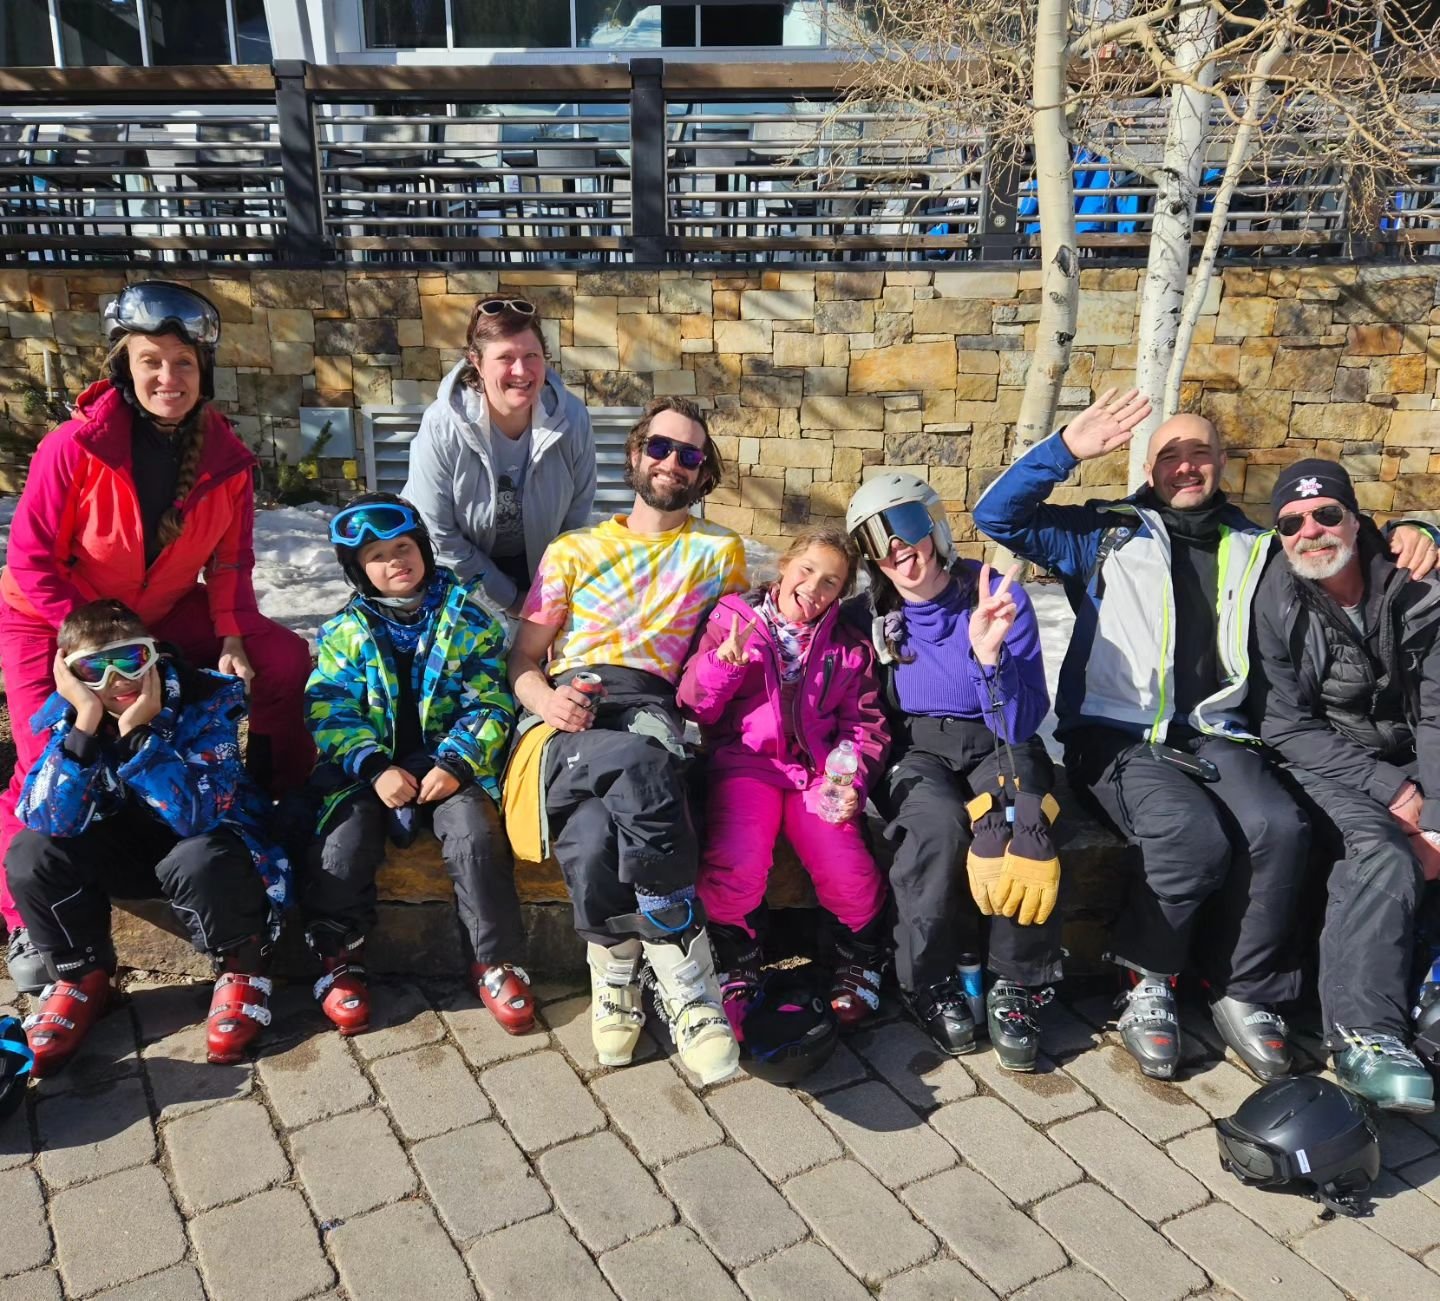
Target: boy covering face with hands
(140, 793)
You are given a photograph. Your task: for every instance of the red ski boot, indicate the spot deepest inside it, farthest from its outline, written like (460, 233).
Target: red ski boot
(342, 993)
(67, 1011)
(505, 990)
(240, 1006)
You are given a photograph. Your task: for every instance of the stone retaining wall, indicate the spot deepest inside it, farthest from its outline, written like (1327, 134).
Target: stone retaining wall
(815, 377)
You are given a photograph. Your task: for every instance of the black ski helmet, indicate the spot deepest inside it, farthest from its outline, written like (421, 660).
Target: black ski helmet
(1303, 1130)
(790, 1031)
(164, 307)
(356, 525)
(16, 1057)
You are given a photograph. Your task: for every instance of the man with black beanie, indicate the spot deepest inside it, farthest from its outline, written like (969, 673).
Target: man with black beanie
(1345, 684)
(1151, 714)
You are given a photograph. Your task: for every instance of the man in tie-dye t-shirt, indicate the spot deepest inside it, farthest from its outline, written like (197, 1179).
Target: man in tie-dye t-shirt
(622, 601)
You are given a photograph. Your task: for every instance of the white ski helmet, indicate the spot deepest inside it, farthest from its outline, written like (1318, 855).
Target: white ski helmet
(898, 505)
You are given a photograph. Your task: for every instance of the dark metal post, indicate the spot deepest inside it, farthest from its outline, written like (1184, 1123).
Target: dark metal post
(999, 234)
(300, 162)
(647, 159)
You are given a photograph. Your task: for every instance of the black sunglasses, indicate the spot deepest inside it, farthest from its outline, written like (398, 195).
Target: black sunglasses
(658, 447)
(498, 306)
(1287, 526)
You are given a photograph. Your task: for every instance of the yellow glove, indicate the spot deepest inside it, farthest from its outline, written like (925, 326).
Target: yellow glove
(1029, 879)
(990, 833)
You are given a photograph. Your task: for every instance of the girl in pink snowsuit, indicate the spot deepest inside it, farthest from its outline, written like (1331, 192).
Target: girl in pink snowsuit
(776, 683)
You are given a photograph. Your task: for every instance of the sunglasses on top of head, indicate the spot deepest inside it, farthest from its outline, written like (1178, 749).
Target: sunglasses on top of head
(658, 447)
(498, 306)
(130, 659)
(1287, 526)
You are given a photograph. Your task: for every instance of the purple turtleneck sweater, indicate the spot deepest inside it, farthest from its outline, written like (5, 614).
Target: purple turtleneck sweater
(945, 679)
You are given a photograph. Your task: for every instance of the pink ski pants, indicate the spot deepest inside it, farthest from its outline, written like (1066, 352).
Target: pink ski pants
(745, 817)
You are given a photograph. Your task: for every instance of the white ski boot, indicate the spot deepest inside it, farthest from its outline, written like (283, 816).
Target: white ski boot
(616, 1015)
(688, 994)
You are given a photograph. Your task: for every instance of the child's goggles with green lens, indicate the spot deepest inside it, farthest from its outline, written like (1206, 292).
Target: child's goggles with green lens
(379, 521)
(129, 659)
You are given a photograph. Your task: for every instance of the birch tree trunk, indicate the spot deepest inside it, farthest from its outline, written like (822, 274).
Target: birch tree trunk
(1256, 96)
(1167, 269)
(1055, 195)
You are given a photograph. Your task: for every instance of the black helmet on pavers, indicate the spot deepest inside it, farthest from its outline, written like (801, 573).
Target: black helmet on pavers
(1303, 1130)
(377, 517)
(790, 1030)
(16, 1057)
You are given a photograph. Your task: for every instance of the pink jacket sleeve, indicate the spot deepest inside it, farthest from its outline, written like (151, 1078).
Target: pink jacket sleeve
(42, 528)
(860, 717)
(707, 685)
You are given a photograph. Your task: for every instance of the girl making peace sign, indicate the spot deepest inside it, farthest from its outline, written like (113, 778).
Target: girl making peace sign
(964, 688)
(777, 683)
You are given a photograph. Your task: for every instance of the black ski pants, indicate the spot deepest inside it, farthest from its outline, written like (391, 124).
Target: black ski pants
(337, 895)
(619, 818)
(63, 886)
(942, 764)
(1367, 946)
(1223, 862)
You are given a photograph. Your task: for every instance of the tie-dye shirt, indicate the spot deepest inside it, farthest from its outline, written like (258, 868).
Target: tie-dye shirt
(629, 599)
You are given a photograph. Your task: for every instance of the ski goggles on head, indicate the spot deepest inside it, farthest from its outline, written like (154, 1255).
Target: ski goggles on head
(129, 659)
(155, 306)
(908, 522)
(498, 306)
(377, 521)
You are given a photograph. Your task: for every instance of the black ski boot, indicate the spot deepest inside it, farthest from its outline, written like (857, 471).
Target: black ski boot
(1010, 1011)
(1257, 1035)
(737, 967)
(944, 1012)
(1150, 1026)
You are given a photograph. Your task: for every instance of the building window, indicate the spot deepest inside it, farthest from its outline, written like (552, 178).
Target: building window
(188, 31)
(25, 34)
(137, 32)
(99, 32)
(405, 24)
(592, 24)
(522, 24)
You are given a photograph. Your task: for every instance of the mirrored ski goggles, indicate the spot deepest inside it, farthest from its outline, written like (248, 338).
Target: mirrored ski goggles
(128, 659)
(497, 306)
(158, 305)
(909, 522)
(1287, 526)
(379, 521)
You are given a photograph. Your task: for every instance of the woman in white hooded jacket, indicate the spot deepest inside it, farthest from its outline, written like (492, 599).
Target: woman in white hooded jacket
(504, 461)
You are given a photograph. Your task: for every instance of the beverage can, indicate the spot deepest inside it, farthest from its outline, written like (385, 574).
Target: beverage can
(591, 686)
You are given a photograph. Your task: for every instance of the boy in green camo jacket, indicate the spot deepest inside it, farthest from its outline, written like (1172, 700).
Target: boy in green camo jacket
(411, 716)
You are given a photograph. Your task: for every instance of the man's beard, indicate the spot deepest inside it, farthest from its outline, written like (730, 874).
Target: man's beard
(679, 497)
(1317, 568)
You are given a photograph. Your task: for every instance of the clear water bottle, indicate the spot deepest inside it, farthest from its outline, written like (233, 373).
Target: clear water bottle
(841, 765)
(972, 981)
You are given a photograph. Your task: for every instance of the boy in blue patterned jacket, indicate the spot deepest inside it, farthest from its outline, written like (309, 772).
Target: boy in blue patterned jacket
(141, 793)
(411, 717)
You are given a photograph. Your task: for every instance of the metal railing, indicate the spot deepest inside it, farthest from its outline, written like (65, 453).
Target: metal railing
(647, 164)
